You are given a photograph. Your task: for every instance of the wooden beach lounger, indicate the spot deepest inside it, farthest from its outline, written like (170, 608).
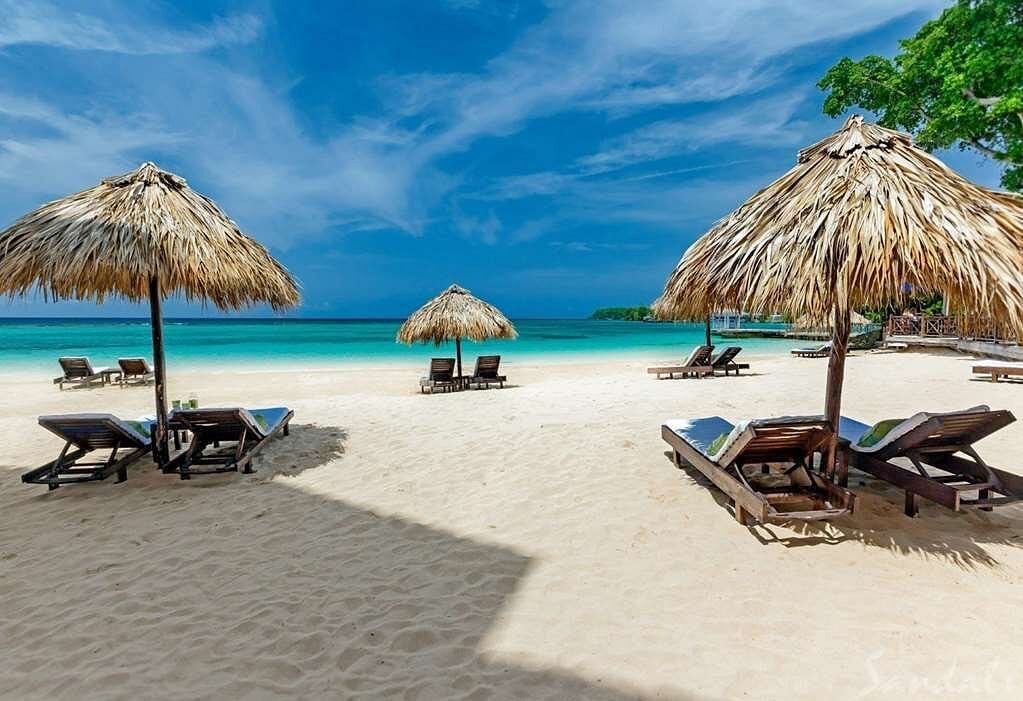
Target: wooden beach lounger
(79, 371)
(248, 429)
(696, 365)
(999, 371)
(765, 466)
(486, 372)
(127, 441)
(135, 371)
(725, 360)
(822, 351)
(440, 375)
(943, 465)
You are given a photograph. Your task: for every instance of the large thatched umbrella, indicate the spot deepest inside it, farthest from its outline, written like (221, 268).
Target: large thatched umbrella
(141, 235)
(861, 214)
(455, 314)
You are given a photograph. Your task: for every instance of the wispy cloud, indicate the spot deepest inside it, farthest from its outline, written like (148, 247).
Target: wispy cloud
(26, 22)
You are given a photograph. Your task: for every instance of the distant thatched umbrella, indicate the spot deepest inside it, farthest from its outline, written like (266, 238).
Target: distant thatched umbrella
(141, 235)
(455, 314)
(861, 214)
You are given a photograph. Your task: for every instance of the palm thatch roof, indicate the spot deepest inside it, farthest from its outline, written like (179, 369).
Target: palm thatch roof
(111, 238)
(454, 314)
(861, 214)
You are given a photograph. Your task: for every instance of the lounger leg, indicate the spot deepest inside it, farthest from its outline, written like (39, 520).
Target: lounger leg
(287, 429)
(984, 494)
(740, 515)
(911, 508)
(52, 486)
(677, 457)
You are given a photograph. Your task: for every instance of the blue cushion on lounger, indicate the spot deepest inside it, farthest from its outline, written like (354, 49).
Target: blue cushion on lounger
(701, 433)
(268, 419)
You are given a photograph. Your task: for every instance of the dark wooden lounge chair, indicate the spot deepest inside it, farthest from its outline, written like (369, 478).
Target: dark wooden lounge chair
(440, 376)
(79, 371)
(696, 365)
(83, 434)
(821, 351)
(943, 464)
(725, 360)
(135, 371)
(486, 372)
(999, 371)
(764, 466)
(247, 430)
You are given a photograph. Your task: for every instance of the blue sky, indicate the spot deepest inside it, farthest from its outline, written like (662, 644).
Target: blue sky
(552, 157)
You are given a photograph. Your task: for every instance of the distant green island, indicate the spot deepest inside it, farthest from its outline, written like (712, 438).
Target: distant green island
(622, 314)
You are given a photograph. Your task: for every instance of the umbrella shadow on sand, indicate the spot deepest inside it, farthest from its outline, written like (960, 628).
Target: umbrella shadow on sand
(878, 521)
(157, 588)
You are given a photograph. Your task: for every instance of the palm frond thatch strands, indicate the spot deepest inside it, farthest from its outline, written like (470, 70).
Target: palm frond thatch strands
(863, 213)
(141, 235)
(455, 314)
(109, 240)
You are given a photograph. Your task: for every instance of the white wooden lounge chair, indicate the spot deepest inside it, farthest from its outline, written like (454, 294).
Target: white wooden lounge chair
(999, 370)
(821, 351)
(696, 365)
(79, 371)
(765, 466)
(943, 465)
(127, 441)
(247, 431)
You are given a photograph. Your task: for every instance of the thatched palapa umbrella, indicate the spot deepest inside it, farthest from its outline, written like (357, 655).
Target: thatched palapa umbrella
(861, 214)
(141, 235)
(455, 314)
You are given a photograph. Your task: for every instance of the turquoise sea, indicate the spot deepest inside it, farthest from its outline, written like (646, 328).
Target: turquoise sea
(36, 343)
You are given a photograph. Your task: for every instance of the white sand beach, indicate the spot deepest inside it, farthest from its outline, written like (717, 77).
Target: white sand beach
(534, 542)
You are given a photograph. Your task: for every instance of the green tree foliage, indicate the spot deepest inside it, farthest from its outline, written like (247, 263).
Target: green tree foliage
(621, 314)
(959, 81)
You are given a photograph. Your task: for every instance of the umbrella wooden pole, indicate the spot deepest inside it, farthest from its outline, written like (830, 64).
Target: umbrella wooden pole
(458, 354)
(836, 375)
(707, 331)
(160, 371)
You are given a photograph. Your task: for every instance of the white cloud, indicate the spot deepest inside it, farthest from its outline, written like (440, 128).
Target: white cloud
(38, 22)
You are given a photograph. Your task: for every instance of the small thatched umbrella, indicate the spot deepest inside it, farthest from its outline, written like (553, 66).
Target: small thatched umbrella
(141, 235)
(455, 314)
(861, 214)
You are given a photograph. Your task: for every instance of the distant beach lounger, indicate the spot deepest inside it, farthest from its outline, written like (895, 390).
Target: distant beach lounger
(248, 429)
(135, 371)
(822, 351)
(782, 485)
(486, 372)
(932, 444)
(83, 434)
(79, 371)
(440, 375)
(725, 360)
(998, 371)
(696, 365)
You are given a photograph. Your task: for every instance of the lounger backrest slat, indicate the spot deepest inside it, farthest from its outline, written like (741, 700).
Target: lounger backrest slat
(76, 367)
(956, 429)
(487, 365)
(767, 443)
(219, 424)
(726, 356)
(93, 432)
(134, 366)
(442, 369)
(700, 357)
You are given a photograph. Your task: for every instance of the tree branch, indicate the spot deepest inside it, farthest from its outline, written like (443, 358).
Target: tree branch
(988, 151)
(982, 101)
